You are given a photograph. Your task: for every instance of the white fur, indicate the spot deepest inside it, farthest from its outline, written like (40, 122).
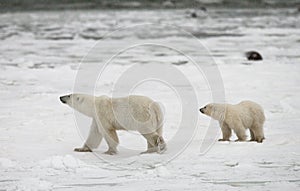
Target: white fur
(137, 113)
(239, 117)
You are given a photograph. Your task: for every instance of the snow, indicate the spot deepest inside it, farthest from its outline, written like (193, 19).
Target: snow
(32, 184)
(67, 162)
(40, 61)
(6, 163)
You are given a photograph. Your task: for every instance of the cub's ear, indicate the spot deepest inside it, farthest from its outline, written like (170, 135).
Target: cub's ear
(81, 100)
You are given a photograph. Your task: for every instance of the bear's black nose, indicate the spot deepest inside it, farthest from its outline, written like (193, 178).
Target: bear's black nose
(201, 110)
(63, 99)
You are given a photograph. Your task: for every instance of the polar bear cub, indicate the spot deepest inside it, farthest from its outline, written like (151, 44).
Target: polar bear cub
(137, 113)
(239, 117)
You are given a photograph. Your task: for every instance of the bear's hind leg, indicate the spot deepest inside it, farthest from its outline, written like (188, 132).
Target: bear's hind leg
(162, 146)
(112, 140)
(226, 132)
(150, 143)
(150, 148)
(155, 143)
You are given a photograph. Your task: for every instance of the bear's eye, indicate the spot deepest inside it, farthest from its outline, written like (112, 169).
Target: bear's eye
(204, 107)
(77, 98)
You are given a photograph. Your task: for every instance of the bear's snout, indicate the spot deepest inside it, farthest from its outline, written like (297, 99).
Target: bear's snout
(201, 110)
(64, 99)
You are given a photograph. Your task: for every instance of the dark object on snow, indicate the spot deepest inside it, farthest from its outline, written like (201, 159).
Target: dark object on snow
(180, 62)
(203, 9)
(253, 55)
(194, 15)
(247, 63)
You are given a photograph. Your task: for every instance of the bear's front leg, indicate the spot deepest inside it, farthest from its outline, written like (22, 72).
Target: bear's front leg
(83, 149)
(93, 140)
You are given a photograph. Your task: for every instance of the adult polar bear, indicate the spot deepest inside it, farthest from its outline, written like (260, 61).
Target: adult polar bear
(239, 117)
(138, 113)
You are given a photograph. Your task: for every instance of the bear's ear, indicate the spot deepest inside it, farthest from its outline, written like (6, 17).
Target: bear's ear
(80, 99)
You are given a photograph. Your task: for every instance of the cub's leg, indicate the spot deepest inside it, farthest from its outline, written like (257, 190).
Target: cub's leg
(258, 132)
(240, 131)
(93, 140)
(252, 135)
(226, 132)
(241, 134)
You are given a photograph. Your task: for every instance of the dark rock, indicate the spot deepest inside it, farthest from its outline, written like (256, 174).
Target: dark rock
(180, 62)
(253, 55)
(194, 15)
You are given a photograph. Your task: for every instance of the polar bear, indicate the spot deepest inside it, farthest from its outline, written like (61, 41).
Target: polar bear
(138, 113)
(239, 117)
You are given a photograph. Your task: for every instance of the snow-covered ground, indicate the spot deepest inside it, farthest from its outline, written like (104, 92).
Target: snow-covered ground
(40, 57)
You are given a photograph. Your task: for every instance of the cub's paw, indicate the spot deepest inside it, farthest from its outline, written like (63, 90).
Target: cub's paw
(260, 140)
(83, 149)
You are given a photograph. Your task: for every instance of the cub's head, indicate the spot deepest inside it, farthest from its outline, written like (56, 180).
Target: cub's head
(80, 102)
(207, 110)
(216, 111)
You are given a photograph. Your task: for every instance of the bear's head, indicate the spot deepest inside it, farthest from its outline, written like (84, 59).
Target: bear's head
(80, 102)
(214, 110)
